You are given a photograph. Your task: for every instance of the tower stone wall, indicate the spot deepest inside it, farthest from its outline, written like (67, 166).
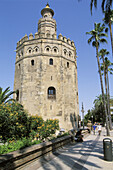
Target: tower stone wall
(46, 73)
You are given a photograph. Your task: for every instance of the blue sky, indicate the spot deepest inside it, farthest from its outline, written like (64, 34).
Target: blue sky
(20, 17)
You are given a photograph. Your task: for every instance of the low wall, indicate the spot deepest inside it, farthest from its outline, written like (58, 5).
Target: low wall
(18, 158)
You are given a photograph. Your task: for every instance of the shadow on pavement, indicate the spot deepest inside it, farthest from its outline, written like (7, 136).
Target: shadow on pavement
(75, 156)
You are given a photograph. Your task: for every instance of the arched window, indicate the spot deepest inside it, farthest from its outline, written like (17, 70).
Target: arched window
(67, 64)
(51, 61)
(77, 97)
(48, 35)
(32, 62)
(19, 55)
(29, 50)
(55, 50)
(36, 49)
(18, 66)
(65, 51)
(70, 54)
(51, 93)
(17, 95)
(45, 16)
(47, 49)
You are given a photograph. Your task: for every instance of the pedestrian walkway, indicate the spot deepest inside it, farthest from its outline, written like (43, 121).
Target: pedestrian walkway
(81, 156)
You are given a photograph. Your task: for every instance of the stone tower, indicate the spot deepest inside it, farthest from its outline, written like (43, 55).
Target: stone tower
(46, 73)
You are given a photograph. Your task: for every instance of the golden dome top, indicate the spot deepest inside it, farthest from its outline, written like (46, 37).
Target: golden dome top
(47, 8)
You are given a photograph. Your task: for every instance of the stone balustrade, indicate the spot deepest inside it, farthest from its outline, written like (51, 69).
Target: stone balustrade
(18, 158)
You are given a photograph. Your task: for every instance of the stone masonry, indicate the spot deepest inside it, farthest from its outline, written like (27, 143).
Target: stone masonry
(46, 73)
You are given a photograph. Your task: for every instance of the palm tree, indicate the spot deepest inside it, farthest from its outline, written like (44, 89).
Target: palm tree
(4, 95)
(108, 68)
(105, 3)
(108, 19)
(102, 54)
(97, 35)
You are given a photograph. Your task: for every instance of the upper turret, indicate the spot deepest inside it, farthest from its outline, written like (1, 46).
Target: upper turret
(47, 25)
(46, 29)
(47, 12)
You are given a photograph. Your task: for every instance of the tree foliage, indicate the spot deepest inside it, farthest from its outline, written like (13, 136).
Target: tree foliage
(97, 113)
(108, 19)
(5, 95)
(105, 4)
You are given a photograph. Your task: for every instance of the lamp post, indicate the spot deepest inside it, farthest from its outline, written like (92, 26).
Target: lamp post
(92, 119)
(82, 114)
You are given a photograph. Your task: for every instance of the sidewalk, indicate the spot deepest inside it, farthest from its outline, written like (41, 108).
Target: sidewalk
(81, 156)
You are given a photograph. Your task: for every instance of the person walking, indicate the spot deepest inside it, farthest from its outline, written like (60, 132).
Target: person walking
(99, 129)
(94, 128)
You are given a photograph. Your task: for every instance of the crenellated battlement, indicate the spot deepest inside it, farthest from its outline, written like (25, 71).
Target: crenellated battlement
(66, 40)
(37, 36)
(25, 38)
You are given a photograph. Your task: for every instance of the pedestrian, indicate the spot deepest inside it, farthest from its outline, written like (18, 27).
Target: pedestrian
(99, 129)
(79, 136)
(94, 128)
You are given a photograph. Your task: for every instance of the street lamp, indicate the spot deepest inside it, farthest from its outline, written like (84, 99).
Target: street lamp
(92, 119)
(83, 114)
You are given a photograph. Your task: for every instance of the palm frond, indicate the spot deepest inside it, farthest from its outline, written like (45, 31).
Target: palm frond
(106, 30)
(94, 44)
(103, 40)
(4, 96)
(102, 5)
(90, 32)
(97, 26)
(6, 91)
(90, 39)
(91, 6)
(102, 35)
(107, 5)
(0, 90)
(10, 100)
(7, 96)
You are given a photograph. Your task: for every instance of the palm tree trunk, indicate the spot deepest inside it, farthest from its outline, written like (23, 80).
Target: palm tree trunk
(109, 114)
(107, 94)
(102, 89)
(111, 36)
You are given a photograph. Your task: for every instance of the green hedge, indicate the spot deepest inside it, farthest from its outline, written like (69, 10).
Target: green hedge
(16, 145)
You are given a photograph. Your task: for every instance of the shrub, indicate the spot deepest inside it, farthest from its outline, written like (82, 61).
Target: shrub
(16, 145)
(13, 121)
(36, 121)
(48, 128)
